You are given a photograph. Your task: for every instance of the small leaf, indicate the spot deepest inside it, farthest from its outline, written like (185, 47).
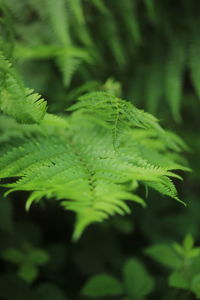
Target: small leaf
(188, 242)
(38, 257)
(179, 279)
(194, 252)
(102, 285)
(179, 249)
(165, 255)
(28, 272)
(13, 255)
(137, 281)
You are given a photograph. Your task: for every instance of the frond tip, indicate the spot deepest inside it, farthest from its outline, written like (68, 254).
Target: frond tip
(118, 114)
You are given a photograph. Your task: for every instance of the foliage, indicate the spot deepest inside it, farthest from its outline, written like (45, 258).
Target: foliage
(162, 46)
(16, 100)
(136, 283)
(97, 154)
(93, 159)
(28, 260)
(184, 260)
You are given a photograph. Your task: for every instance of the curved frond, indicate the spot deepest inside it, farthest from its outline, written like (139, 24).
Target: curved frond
(73, 160)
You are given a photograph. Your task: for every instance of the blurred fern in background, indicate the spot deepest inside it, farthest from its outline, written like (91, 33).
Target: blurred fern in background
(144, 45)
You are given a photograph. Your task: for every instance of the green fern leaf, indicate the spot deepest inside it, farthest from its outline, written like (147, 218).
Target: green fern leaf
(16, 100)
(117, 113)
(56, 11)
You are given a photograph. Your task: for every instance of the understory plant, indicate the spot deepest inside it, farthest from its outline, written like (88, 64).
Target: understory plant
(94, 97)
(92, 158)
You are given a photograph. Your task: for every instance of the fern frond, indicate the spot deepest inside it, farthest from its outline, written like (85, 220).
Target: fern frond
(175, 66)
(115, 43)
(150, 6)
(79, 21)
(154, 84)
(16, 100)
(56, 12)
(73, 160)
(68, 66)
(117, 113)
(100, 5)
(128, 10)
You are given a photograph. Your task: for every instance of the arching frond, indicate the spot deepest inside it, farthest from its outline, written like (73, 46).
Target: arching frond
(73, 160)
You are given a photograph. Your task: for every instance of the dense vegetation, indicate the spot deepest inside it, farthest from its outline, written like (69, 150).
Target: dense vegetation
(97, 195)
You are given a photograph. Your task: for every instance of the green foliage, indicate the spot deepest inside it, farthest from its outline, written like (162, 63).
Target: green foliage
(164, 254)
(94, 159)
(16, 100)
(118, 113)
(174, 71)
(102, 285)
(67, 33)
(14, 288)
(136, 279)
(28, 260)
(136, 284)
(184, 260)
(97, 154)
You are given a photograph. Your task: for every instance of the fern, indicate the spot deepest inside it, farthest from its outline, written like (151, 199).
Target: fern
(175, 66)
(78, 21)
(55, 41)
(57, 15)
(150, 6)
(16, 100)
(68, 66)
(128, 10)
(73, 159)
(154, 84)
(140, 44)
(93, 158)
(116, 112)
